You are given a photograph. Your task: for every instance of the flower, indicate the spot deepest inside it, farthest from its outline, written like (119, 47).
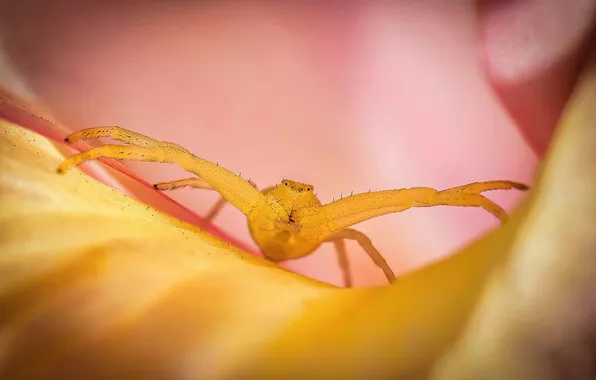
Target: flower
(96, 284)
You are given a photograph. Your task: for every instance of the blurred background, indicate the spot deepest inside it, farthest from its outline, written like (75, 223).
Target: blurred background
(366, 95)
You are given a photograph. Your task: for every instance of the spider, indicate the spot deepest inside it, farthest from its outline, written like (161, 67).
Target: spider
(287, 221)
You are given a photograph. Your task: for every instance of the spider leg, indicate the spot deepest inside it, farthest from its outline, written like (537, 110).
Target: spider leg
(473, 191)
(342, 258)
(367, 245)
(117, 133)
(198, 183)
(346, 212)
(195, 182)
(239, 192)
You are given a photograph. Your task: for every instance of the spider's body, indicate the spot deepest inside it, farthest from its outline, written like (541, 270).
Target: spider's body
(287, 225)
(287, 221)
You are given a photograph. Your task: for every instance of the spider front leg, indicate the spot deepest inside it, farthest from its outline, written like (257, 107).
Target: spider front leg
(338, 239)
(346, 212)
(239, 192)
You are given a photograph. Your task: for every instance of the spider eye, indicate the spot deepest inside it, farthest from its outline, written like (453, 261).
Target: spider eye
(300, 189)
(285, 183)
(308, 189)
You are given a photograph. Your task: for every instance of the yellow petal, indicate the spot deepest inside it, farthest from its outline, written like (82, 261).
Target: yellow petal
(536, 318)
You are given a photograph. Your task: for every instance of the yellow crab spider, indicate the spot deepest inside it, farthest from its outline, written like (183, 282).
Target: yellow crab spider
(287, 221)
